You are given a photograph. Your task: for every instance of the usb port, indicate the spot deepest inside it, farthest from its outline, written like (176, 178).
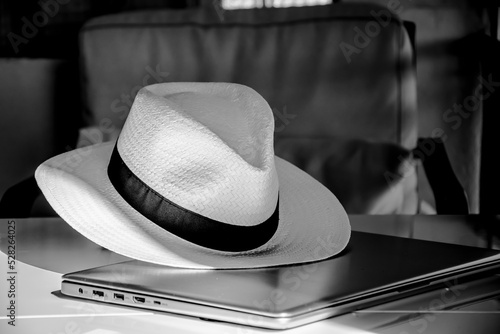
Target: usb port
(139, 300)
(98, 293)
(157, 302)
(119, 296)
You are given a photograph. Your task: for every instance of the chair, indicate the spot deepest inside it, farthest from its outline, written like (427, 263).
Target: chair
(331, 108)
(340, 80)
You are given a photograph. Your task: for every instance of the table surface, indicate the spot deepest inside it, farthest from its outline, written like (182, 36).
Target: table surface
(48, 247)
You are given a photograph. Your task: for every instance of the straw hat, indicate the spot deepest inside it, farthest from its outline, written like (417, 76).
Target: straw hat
(193, 182)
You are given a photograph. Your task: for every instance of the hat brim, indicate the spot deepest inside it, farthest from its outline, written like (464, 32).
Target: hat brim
(313, 224)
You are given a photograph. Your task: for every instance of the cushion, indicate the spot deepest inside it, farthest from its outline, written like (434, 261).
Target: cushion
(367, 177)
(341, 94)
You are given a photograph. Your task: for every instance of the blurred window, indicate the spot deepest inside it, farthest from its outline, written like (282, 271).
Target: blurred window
(243, 4)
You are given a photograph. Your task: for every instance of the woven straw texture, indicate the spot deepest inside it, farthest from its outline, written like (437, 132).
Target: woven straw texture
(209, 148)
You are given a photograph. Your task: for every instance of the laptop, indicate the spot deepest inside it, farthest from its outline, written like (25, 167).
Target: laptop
(373, 269)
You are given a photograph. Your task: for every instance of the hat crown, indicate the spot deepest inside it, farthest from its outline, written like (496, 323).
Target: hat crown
(206, 147)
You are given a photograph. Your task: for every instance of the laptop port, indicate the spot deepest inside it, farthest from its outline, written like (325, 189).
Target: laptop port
(119, 296)
(139, 300)
(80, 290)
(98, 293)
(157, 302)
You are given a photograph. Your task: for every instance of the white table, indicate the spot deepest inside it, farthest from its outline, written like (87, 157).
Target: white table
(48, 247)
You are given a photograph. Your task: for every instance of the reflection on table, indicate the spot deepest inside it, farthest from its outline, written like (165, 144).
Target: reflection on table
(48, 247)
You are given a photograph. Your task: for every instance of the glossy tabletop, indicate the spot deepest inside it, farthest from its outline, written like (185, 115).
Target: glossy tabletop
(45, 248)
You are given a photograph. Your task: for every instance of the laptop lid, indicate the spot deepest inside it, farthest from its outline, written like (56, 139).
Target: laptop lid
(373, 269)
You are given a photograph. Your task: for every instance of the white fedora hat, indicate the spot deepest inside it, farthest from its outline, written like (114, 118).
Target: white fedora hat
(193, 182)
